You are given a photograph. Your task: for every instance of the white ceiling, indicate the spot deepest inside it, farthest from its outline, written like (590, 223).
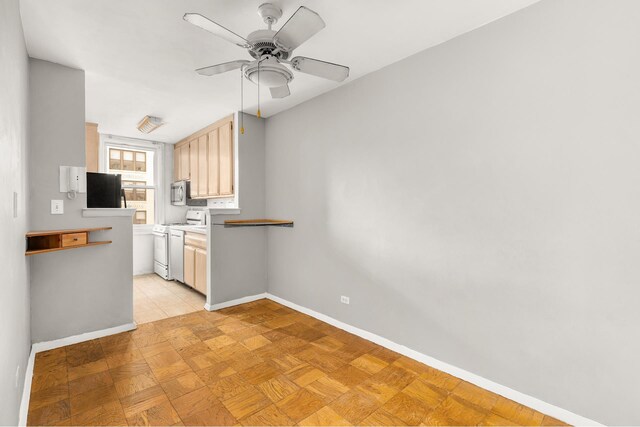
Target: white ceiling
(139, 55)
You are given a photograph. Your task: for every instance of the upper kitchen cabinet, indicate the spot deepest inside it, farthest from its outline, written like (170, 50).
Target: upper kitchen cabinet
(203, 166)
(181, 161)
(206, 159)
(225, 155)
(193, 168)
(92, 143)
(213, 162)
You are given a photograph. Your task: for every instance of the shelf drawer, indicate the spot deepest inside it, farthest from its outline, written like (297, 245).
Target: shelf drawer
(74, 239)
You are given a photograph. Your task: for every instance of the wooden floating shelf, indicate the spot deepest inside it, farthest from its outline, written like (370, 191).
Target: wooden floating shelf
(40, 242)
(258, 223)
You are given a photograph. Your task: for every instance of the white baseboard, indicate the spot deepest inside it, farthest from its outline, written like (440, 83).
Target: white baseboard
(243, 300)
(50, 345)
(524, 399)
(26, 389)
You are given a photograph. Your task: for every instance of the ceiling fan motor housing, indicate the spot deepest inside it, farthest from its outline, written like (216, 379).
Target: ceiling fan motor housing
(261, 42)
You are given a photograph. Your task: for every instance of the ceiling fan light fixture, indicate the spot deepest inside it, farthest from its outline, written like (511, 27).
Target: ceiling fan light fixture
(271, 49)
(271, 74)
(149, 123)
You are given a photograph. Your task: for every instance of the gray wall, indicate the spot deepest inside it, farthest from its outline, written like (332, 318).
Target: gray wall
(238, 255)
(171, 213)
(15, 341)
(79, 290)
(479, 203)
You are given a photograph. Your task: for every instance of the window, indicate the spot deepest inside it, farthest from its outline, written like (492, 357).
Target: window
(136, 166)
(140, 217)
(134, 194)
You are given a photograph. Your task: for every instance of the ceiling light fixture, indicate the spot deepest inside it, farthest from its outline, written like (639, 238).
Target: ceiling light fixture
(271, 50)
(149, 123)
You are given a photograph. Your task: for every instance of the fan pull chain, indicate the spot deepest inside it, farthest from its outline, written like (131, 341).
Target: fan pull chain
(241, 102)
(258, 114)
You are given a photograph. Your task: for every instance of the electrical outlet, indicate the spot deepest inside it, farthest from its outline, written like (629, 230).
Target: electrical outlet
(17, 376)
(344, 300)
(57, 207)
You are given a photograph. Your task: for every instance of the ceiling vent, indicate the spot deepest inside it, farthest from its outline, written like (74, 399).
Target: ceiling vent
(149, 123)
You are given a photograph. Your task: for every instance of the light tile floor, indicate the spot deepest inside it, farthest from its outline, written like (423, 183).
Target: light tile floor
(155, 298)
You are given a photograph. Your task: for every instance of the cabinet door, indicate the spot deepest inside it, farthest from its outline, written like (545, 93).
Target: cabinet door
(189, 265)
(213, 164)
(176, 164)
(201, 271)
(92, 146)
(226, 159)
(202, 166)
(193, 168)
(184, 161)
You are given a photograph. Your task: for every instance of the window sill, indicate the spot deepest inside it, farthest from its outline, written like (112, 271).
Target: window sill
(107, 212)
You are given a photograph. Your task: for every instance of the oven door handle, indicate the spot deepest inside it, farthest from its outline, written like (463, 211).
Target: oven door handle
(157, 233)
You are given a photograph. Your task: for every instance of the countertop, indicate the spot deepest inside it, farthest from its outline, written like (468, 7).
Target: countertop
(200, 229)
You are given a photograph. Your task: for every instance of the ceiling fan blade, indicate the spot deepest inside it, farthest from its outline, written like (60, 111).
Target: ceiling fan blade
(280, 92)
(319, 68)
(221, 68)
(303, 24)
(215, 28)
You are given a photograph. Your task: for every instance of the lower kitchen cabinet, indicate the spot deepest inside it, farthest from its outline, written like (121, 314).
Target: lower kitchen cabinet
(195, 261)
(201, 271)
(190, 265)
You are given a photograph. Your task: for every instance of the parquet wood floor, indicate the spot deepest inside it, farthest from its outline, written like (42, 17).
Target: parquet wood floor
(255, 364)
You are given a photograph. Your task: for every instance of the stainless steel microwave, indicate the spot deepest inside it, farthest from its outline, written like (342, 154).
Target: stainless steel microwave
(181, 195)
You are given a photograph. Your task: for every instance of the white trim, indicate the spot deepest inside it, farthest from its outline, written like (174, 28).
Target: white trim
(524, 399)
(26, 390)
(146, 144)
(233, 302)
(105, 212)
(75, 339)
(50, 345)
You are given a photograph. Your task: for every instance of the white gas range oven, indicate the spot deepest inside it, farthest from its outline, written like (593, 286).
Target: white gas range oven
(168, 245)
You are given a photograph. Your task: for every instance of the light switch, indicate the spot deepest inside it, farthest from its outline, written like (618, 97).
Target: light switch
(57, 207)
(15, 204)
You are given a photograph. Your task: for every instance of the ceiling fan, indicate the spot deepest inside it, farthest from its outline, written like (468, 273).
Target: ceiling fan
(271, 49)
